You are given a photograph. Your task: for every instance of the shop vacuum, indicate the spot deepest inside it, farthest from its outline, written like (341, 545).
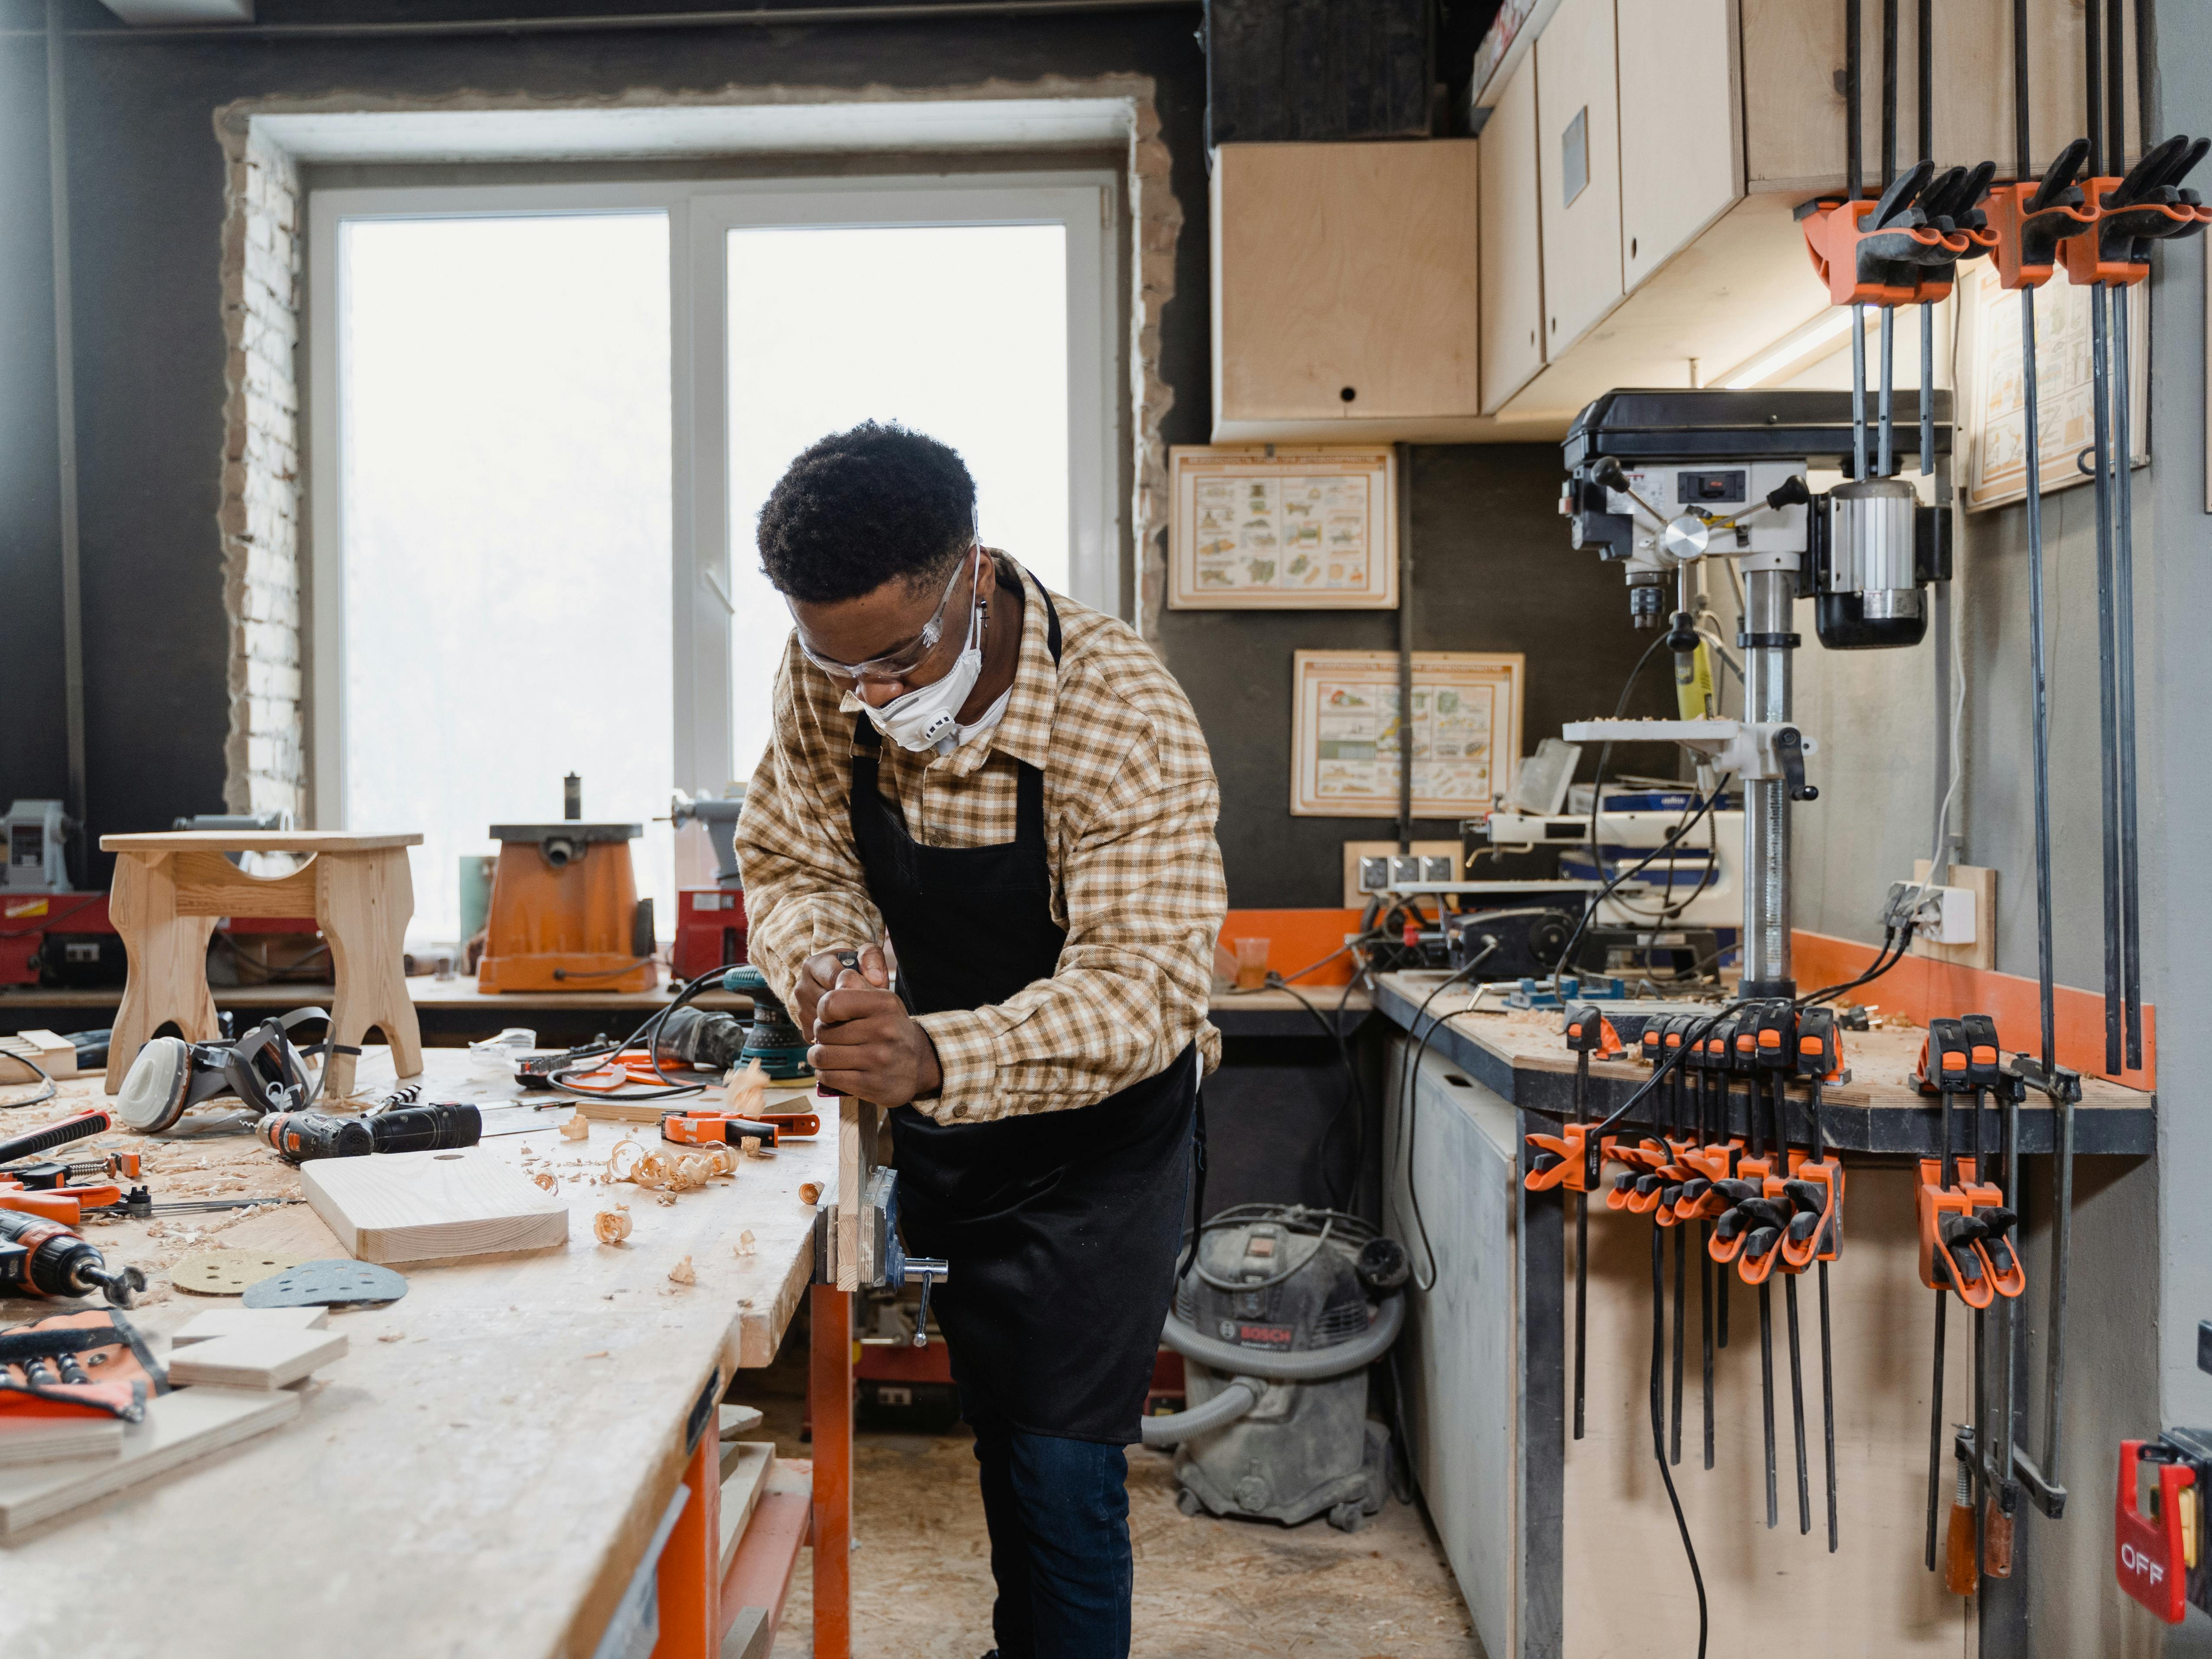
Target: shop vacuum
(1280, 1314)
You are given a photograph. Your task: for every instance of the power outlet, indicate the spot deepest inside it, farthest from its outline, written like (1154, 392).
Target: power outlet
(1942, 916)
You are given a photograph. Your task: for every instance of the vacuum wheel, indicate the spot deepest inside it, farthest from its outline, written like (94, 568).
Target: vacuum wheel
(1347, 1517)
(1188, 1502)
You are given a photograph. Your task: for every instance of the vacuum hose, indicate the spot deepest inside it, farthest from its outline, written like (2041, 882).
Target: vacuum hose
(1252, 1366)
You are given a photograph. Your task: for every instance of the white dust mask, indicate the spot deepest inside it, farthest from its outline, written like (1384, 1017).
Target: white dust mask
(929, 717)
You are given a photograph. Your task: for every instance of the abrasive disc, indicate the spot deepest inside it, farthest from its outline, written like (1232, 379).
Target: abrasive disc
(330, 1283)
(223, 1272)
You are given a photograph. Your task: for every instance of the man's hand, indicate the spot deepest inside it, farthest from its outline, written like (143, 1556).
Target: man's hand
(868, 1046)
(819, 972)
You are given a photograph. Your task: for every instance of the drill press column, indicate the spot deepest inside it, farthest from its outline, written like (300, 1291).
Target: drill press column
(1767, 643)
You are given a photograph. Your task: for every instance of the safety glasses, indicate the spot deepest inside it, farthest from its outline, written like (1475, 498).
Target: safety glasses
(896, 664)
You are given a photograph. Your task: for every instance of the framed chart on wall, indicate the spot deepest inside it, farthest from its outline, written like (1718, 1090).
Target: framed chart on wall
(1345, 731)
(1991, 388)
(1279, 527)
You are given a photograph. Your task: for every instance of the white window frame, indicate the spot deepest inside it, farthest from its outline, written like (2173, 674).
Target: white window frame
(701, 214)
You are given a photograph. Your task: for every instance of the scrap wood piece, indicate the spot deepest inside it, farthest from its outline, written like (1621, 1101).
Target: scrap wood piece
(28, 1439)
(265, 1359)
(429, 1208)
(243, 1322)
(180, 1426)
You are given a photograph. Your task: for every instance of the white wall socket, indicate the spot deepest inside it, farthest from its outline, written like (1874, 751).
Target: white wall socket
(1945, 916)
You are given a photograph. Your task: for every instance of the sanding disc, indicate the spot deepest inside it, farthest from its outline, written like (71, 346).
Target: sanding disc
(327, 1284)
(220, 1272)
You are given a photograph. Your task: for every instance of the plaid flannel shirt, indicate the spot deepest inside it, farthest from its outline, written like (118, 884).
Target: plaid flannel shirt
(1130, 802)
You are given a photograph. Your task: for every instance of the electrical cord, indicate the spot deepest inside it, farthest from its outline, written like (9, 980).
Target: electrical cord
(646, 1036)
(1410, 1096)
(47, 1093)
(1566, 954)
(1658, 1421)
(1355, 1095)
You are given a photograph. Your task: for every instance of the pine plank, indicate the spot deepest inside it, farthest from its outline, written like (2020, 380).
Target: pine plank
(420, 1209)
(260, 1359)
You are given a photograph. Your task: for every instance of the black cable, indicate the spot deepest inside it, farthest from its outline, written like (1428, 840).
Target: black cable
(40, 1099)
(646, 1036)
(1355, 1097)
(1659, 1438)
(1566, 954)
(1597, 797)
(1410, 1095)
(1829, 992)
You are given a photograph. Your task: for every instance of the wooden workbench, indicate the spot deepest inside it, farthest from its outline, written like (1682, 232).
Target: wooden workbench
(480, 1474)
(1519, 1053)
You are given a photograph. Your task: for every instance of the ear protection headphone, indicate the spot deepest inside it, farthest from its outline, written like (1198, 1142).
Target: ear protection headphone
(263, 1068)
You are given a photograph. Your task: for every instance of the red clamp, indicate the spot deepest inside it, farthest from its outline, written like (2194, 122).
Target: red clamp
(1903, 249)
(1561, 1160)
(2151, 1553)
(2128, 215)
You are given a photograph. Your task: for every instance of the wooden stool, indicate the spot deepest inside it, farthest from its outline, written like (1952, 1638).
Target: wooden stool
(171, 888)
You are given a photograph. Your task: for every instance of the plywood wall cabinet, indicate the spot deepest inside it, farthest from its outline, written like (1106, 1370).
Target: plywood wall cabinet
(1681, 124)
(1512, 243)
(1345, 290)
(1578, 170)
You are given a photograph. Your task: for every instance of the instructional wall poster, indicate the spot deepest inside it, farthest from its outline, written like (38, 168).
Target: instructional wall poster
(1345, 741)
(1992, 405)
(1260, 527)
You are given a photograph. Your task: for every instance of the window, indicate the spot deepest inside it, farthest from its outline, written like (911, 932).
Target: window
(542, 423)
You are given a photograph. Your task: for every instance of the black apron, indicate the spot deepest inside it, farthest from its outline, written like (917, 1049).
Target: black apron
(1060, 1227)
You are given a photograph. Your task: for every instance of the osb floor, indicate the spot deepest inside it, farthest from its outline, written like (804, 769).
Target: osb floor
(1205, 1587)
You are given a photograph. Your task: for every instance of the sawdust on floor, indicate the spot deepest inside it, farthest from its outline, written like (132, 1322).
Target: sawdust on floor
(1205, 1587)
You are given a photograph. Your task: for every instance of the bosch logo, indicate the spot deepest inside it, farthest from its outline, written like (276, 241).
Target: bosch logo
(1265, 1336)
(2135, 1561)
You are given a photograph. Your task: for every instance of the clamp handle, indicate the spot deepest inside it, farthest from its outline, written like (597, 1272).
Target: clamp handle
(1789, 751)
(926, 1270)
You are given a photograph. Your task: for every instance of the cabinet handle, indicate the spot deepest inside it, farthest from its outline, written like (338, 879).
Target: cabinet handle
(1349, 393)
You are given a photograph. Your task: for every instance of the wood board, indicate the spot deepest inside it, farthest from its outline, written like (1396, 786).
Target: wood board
(257, 1359)
(420, 1209)
(745, 1464)
(44, 1049)
(26, 1439)
(242, 1322)
(188, 1424)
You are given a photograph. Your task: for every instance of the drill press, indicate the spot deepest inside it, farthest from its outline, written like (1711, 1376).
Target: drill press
(1660, 481)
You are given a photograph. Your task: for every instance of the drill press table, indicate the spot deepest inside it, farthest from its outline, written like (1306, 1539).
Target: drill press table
(485, 1470)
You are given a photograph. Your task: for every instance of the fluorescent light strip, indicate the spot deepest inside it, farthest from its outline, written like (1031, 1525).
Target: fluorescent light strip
(1798, 344)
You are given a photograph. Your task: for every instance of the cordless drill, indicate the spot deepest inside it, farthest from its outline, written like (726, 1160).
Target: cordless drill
(42, 1258)
(301, 1136)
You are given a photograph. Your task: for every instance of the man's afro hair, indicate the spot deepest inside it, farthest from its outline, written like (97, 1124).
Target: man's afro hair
(857, 509)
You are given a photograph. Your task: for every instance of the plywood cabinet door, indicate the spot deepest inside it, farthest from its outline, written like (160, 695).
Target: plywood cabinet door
(1512, 243)
(1345, 281)
(1681, 166)
(1578, 169)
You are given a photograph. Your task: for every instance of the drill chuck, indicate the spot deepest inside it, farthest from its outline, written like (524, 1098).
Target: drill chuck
(42, 1258)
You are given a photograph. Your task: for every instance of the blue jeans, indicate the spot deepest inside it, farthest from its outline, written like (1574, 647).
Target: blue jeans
(1059, 1515)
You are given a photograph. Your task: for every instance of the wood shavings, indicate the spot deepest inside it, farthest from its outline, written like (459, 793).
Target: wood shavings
(577, 1127)
(683, 1273)
(810, 1192)
(599, 1353)
(391, 1336)
(747, 1091)
(724, 1160)
(545, 1180)
(659, 1171)
(746, 1245)
(612, 1226)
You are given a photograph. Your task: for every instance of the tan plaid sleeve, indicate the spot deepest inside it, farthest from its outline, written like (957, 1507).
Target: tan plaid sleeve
(1140, 875)
(805, 891)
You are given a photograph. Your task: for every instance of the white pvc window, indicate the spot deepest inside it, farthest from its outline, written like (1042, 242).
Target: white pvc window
(543, 420)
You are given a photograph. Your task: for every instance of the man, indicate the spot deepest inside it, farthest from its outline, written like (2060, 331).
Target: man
(1026, 876)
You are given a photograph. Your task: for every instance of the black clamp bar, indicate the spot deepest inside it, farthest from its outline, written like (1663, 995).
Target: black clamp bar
(1767, 641)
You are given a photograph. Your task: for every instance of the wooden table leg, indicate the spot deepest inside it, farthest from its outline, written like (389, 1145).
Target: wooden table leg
(362, 903)
(830, 1391)
(167, 955)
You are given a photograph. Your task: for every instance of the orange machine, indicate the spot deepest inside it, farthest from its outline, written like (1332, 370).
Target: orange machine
(565, 915)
